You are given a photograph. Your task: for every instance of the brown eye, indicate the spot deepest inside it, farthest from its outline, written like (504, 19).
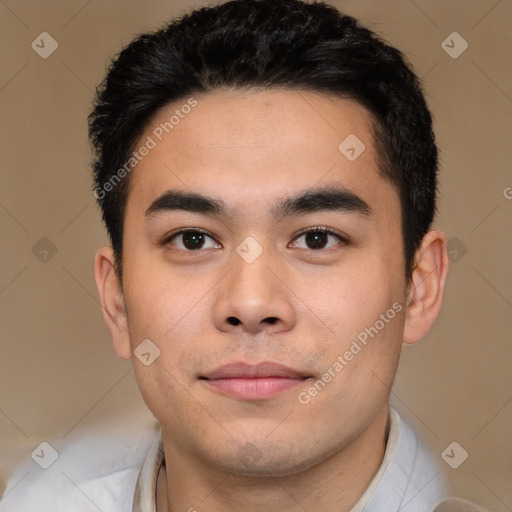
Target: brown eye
(318, 238)
(192, 240)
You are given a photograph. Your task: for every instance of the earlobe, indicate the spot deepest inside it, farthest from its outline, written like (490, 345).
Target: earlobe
(112, 300)
(426, 287)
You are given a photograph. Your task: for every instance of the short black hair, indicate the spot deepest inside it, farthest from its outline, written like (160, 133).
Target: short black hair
(245, 44)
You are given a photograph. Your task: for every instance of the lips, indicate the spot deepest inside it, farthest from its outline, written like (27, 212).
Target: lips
(253, 382)
(264, 369)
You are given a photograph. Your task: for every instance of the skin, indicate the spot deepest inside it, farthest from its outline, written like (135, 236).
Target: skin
(295, 305)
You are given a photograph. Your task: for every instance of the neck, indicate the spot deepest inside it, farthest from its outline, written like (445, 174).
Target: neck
(335, 484)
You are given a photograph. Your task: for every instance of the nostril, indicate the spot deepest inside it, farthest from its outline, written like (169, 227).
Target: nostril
(233, 320)
(271, 320)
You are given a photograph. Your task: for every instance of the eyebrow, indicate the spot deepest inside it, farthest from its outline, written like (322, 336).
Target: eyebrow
(329, 198)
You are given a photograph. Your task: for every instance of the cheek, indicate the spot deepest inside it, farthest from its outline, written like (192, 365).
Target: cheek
(167, 394)
(362, 310)
(349, 299)
(173, 313)
(160, 305)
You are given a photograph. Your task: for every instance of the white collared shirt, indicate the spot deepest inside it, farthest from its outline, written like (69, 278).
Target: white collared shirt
(119, 475)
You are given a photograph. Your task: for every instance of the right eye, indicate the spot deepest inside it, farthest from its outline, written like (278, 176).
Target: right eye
(192, 240)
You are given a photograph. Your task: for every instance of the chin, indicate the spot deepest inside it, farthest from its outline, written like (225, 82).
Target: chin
(269, 462)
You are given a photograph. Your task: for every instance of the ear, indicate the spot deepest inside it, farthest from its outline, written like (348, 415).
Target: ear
(112, 300)
(425, 293)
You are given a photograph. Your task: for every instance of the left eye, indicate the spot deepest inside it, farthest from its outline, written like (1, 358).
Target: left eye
(317, 238)
(193, 240)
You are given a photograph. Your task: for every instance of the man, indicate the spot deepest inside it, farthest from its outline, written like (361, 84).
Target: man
(267, 176)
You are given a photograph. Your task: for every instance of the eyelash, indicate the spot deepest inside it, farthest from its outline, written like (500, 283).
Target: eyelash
(317, 229)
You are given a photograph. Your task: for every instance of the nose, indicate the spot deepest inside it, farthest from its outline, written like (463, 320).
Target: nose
(253, 297)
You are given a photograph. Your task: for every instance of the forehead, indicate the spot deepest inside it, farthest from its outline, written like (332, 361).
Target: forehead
(246, 146)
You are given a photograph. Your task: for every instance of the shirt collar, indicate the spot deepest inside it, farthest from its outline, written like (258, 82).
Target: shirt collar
(411, 480)
(391, 445)
(144, 499)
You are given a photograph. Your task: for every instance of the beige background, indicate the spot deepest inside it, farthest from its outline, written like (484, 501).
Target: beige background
(58, 372)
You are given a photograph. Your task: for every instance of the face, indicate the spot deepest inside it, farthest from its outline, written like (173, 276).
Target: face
(253, 239)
